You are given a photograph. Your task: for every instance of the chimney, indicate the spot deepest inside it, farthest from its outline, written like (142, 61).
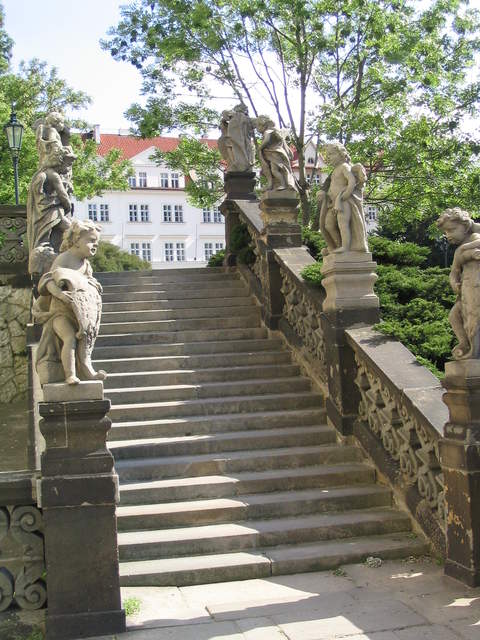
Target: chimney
(96, 133)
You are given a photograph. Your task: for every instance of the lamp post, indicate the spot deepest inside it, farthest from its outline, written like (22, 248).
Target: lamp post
(14, 132)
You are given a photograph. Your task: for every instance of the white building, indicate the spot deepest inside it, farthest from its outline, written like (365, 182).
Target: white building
(153, 218)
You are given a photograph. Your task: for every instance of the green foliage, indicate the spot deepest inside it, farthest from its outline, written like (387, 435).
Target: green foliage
(314, 242)
(131, 606)
(241, 244)
(112, 258)
(312, 274)
(387, 251)
(217, 259)
(194, 157)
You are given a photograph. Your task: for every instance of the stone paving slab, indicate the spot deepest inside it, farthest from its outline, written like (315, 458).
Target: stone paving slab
(396, 601)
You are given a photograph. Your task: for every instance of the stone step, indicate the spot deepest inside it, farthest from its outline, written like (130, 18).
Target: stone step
(222, 442)
(225, 538)
(199, 376)
(265, 562)
(220, 486)
(204, 335)
(188, 324)
(162, 304)
(119, 367)
(223, 347)
(188, 273)
(179, 314)
(215, 406)
(206, 425)
(218, 390)
(251, 507)
(158, 285)
(178, 293)
(136, 470)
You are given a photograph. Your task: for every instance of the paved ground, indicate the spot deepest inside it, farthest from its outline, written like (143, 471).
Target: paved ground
(397, 601)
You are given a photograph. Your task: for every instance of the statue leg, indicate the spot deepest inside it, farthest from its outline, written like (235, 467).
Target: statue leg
(84, 357)
(332, 236)
(456, 321)
(65, 330)
(344, 218)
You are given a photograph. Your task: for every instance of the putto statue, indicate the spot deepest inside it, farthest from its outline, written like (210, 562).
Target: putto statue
(342, 221)
(464, 317)
(69, 307)
(275, 156)
(236, 141)
(49, 197)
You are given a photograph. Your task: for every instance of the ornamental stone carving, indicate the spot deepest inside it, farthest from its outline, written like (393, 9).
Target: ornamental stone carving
(49, 205)
(342, 220)
(236, 140)
(69, 307)
(460, 230)
(22, 564)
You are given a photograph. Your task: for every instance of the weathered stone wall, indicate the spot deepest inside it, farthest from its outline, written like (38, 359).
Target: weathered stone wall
(14, 315)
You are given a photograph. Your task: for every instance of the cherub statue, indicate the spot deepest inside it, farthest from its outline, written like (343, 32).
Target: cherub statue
(49, 197)
(275, 156)
(342, 221)
(236, 141)
(69, 307)
(464, 317)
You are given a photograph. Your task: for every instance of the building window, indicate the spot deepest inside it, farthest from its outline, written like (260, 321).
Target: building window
(169, 252)
(133, 213)
(178, 209)
(175, 180)
(142, 178)
(371, 212)
(311, 160)
(164, 180)
(316, 179)
(92, 212)
(144, 213)
(167, 212)
(218, 246)
(147, 251)
(135, 249)
(207, 215)
(208, 249)
(180, 251)
(132, 181)
(217, 216)
(104, 213)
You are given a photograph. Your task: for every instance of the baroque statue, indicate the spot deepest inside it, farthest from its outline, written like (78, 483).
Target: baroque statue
(275, 156)
(340, 201)
(461, 230)
(236, 140)
(49, 204)
(69, 307)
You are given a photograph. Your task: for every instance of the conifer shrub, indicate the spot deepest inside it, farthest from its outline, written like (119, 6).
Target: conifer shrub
(111, 258)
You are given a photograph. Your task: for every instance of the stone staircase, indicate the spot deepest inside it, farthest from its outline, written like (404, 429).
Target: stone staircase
(227, 467)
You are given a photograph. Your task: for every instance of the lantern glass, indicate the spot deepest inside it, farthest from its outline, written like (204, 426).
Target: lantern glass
(14, 133)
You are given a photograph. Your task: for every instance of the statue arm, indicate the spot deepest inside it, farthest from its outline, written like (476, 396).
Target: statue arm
(351, 182)
(61, 191)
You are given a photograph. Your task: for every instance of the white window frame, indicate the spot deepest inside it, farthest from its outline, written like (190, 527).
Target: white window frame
(144, 213)
(133, 213)
(178, 212)
(147, 251)
(132, 181)
(135, 249)
(164, 180)
(208, 250)
(217, 216)
(207, 215)
(142, 179)
(167, 213)
(219, 246)
(175, 180)
(168, 251)
(180, 251)
(104, 212)
(92, 212)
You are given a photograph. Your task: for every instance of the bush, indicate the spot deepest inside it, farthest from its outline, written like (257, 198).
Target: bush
(241, 244)
(217, 259)
(111, 258)
(387, 251)
(312, 274)
(314, 242)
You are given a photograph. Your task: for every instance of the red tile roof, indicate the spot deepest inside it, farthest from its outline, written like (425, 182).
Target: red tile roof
(131, 146)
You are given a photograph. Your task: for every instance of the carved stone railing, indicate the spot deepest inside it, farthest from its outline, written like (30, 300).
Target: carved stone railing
(22, 557)
(13, 229)
(400, 422)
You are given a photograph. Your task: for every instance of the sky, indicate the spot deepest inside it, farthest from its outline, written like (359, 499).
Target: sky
(66, 34)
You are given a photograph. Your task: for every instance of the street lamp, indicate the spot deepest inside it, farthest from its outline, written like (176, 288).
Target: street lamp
(14, 132)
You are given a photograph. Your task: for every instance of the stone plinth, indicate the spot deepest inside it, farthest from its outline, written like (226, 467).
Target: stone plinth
(78, 494)
(279, 207)
(348, 280)
(63, 392)
(460, 459)
(240, 185)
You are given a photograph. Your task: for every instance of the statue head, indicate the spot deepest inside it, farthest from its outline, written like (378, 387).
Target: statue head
(262, 123)
(456, 224)
(241, 108)
(335, 153)
(82, 234)
(56, 120)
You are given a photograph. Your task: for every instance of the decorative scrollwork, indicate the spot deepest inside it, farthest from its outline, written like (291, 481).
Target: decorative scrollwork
(404, 437)
(13, 249)
(6, 589)
(30, 589)
(303, 318)
(25, 521)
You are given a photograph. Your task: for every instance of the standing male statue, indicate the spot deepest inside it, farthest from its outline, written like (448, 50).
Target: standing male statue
(236, 140)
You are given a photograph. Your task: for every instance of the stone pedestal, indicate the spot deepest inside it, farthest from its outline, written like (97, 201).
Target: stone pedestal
(279, 208)
(460, 460)
(78, 494)
(240, 185)
(348, 279)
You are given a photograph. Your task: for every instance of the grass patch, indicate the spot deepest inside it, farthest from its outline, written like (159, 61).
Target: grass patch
(131, 606)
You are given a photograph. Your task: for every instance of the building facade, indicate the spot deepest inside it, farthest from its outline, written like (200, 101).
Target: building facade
(153, 219)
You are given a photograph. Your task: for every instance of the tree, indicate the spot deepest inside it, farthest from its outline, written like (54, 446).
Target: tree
(357, 71)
